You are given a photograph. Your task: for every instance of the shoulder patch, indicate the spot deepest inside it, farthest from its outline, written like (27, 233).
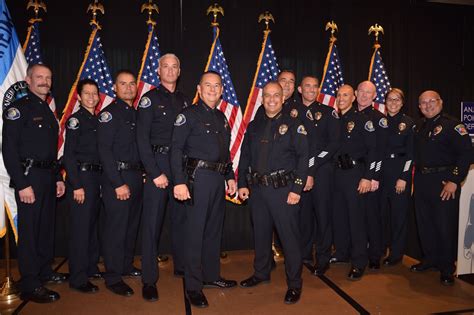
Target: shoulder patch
(145, 102)
(294, 113)
(461, 129)
(309, 115)
(73, 123)
(105, 117)
(180, 120)
(383, 122)
(335, 114)
(13, 113)
(369, 126)
(301, 130)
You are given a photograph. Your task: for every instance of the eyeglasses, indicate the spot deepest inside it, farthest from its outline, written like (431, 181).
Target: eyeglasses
(431, 101)
(395, 100)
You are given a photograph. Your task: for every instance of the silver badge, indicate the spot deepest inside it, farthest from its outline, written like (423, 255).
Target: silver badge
(144, 102)
(180, 120)
(73, 123)
(105, 117)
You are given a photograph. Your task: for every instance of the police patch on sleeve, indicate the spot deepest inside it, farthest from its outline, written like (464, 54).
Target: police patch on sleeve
(369, 126)
(383, 122)
(335, 114)
(145, 102)
(105, 117)
(180, 120)
(461, 129)
(13, 113)
(301, 130)
(73, 123)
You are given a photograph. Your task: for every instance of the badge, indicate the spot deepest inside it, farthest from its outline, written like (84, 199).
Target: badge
(105, 117)
(180, 120)
(437, 130)
(383, 122)
(335, 114)
(369, 126)
(226, 124)
(283, 129)
(461, 129)
(402, 126)
(294, 113)
(318, 115)
(13, 113)
(301, 130)
(350, 126)
(309, 115)
(73, 123)
(144, 102)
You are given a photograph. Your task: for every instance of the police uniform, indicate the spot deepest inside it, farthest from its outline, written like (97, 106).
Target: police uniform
(372, 201)
(83, 171)
(273, 163)
(200, 158)
(121, 165)
(397, 164)
(324, 131)
(443, 152)
(355, 160)
(156, 114)
(30, 141)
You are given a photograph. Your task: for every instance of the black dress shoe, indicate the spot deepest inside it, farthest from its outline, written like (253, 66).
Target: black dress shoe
(320, 270)
(197, 298)
(274, 265)
(292, 296)
(134, 273)
(355, 274)
(446, 279)
(252, 281)
(150, 293)
(120, 288)
(391, 262)
(374, 264)
(178, 273)
(421, 267)
(336, 261)
(96, 276)
(220, 283)
(40, 295)
(56, 277)
(86, 288)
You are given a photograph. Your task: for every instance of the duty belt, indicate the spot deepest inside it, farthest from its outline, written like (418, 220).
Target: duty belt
(29, 163)
(345, 162)
(163, 149)
(395, 155)
(85, 167)
(432, 170)
(192, 164)
(277, 179)
(127, 166)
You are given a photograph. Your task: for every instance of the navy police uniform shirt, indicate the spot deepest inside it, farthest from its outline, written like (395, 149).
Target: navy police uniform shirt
(30, 131)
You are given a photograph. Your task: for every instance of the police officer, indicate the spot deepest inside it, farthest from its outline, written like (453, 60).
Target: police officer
(397, 171)
(157, 111)
(366, 94)
(352, 181)
(83, 173)
(122, 183)
(200, 162)
(443, 154)
(30, 141)
(275, 161)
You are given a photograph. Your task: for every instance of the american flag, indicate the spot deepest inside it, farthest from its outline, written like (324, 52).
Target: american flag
(32, 50)
(378, 76)
(332, 77)
(148, 77)
(94, 66)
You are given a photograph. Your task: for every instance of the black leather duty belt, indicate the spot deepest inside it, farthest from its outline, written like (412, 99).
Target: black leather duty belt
(345, 162)
(277, 179)
(222, 168)
(394, 155)
(89, 167)
(127, 166)
(433, 170)
(163, 149)
(29, 163)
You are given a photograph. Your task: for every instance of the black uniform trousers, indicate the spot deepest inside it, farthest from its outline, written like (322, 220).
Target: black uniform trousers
(156, 202)
(121, 224)
(269, 208)
(394, 208)
(307, 223)
(204, 222)
(437, 221)
(349, 223)
(36, 230)
(374, 223)
(83, 239)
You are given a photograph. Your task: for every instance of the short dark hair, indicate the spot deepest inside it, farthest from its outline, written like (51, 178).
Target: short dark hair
(287, 71)
(32, 66)
(81, 83)
(124, 71)
(209, 72)
(309, 76)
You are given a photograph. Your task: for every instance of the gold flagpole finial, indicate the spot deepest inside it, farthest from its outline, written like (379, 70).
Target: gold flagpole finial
(150, 7)
(94, 7)
(267, 16)
(36, 5)
(376, 29)
(215, 9)
(333, 26)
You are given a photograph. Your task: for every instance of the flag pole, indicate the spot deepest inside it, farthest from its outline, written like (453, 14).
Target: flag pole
(8, 290)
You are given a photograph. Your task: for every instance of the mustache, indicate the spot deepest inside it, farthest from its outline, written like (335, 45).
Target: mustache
(44, 85)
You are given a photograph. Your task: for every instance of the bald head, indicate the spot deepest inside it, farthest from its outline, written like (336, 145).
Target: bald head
(273, 98)
(430, 103)
(365, 94)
